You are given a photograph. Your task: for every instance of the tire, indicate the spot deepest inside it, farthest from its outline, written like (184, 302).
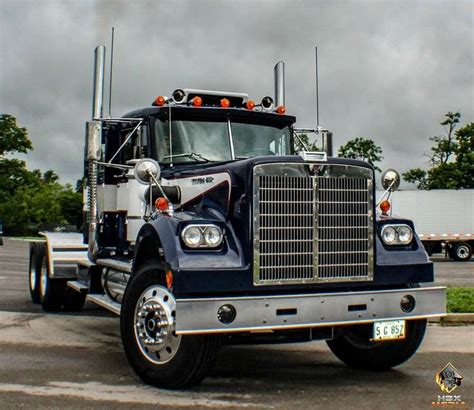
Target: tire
(52, 291)
(354, 347)
(34, 274)
(461, 252)
(175, 362)
(74, 300)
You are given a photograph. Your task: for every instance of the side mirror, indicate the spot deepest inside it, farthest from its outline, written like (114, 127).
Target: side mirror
(391, 180)
(145, 170)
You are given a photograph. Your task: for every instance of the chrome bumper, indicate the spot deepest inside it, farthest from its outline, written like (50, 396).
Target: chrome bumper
(199, 316)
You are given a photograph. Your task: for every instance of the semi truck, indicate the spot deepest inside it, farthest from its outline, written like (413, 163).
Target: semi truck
(203, 227)
(443, 218)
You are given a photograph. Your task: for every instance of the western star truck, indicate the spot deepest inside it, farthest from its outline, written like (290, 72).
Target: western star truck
(203, 227)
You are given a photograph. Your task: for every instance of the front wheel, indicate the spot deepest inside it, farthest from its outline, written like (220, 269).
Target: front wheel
(354, 346)
(156, 353)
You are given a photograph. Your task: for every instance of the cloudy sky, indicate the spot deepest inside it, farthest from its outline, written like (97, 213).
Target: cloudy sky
(389, 70)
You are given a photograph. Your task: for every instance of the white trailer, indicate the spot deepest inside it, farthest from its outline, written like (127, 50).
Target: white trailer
(444, 219)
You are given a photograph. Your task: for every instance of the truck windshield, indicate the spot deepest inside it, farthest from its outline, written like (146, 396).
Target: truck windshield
(208, 141)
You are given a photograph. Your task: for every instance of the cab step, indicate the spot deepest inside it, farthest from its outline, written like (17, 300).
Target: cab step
(118, 264)
(105, 302)
(78, 286)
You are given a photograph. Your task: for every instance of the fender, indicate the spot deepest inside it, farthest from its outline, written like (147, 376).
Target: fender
(155, 236)
(160, 238)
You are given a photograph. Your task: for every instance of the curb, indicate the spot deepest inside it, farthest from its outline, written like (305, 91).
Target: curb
(454, 318)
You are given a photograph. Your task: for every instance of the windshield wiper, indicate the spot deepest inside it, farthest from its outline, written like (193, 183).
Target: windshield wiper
(192, 155)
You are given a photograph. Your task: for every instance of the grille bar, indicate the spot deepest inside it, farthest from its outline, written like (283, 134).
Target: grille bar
(312, 228)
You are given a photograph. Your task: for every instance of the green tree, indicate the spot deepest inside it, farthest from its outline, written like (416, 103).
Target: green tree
(31, 198)
(13, 138)
(451, 158)
(363, 149)
(311, 146)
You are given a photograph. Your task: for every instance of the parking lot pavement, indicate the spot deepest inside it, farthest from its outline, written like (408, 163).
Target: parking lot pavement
(76, 361)
(449, 272)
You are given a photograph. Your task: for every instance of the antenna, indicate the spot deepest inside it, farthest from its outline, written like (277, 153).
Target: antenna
(111, 72)
(317, 88)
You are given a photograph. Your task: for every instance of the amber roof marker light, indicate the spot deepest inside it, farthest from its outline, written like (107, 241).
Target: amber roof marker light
(197, 101)
(250, 105)
(225, 103)
(281, 109)
(160, 101)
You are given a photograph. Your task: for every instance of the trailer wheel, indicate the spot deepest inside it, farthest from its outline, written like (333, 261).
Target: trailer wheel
(461, 252)
(52, 291)
(34, 274)
(354, 347)
(147, 322)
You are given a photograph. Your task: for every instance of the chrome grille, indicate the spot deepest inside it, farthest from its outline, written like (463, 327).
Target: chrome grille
(311, 228)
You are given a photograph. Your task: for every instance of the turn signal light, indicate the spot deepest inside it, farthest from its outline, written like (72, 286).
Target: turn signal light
(250, 105)
(197, 101)
(160, 100)
(161, 204)
(169, 279)
(281, 109)
(385, 206)
(225, 103)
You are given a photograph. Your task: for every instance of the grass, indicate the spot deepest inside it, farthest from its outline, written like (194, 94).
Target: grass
(460, 300)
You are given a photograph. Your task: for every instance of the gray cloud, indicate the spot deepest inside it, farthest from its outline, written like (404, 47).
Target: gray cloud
(389, 70)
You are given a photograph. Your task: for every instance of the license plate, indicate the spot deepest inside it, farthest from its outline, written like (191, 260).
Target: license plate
(389, 330)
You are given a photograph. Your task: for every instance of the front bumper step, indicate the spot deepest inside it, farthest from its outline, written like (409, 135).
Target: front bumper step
(199, 316)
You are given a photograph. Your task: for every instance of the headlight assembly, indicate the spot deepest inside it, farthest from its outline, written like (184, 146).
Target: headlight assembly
(202, 236)
(396, 234)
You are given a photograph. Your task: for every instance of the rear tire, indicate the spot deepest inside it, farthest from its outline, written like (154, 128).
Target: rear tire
(157, 355)
(354, 347)
(34, 274)
(461, 252)
(52, 291)
(74, 300)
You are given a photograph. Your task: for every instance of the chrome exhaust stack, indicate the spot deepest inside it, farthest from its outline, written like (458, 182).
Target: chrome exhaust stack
(279, 74)
(93, 141)
(327, 142)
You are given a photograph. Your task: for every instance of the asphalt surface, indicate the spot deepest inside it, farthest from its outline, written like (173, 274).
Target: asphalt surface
(77, 361)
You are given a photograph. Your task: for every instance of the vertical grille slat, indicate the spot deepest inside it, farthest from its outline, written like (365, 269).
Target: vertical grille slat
(312, 229)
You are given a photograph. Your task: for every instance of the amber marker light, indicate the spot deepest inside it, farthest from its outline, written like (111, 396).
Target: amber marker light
(250, 105)
(162, 204)
(281, 109)
(197, 101)
(169, 279)
(225, 103)
(385, 206)
(160, 101)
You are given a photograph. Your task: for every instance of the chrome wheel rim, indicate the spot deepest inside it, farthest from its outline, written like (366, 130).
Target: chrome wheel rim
(44, 279)
(154, 325)
(462, 252)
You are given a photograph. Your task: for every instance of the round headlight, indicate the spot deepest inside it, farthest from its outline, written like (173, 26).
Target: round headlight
(389, 235)
(192, 236)
(213, 236)
(405, 234)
